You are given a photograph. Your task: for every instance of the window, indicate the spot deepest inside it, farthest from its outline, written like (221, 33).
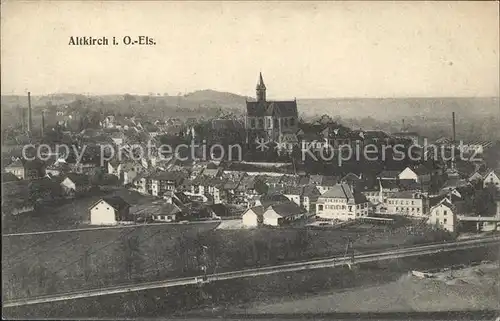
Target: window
(107, 208)
(286, 122)
(320, 207)
(261, 123)
(292, 121)
(252, 123)
(444, 213)
(445, 220)
(276, 123)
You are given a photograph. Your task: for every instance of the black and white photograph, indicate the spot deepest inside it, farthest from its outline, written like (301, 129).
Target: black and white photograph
(212, 160)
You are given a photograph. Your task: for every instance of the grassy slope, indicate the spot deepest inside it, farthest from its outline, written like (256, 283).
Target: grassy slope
(54, 263)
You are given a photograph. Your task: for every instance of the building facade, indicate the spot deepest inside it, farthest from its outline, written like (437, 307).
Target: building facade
(341, 203)
(271, 120)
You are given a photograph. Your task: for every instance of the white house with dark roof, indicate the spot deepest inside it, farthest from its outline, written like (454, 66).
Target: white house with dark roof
(253, 217)
(74, 184)
(282, 213)
(408, 203)
(109, 211)
(443, 216)
(419, 174)
(342, 203)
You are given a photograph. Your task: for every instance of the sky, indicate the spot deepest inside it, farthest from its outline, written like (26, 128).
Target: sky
(304, 49)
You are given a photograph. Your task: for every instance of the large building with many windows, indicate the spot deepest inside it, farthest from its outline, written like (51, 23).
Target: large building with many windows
(271, 120)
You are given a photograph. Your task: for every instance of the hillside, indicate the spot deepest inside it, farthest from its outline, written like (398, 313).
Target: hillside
(383, 109)
(396, 108)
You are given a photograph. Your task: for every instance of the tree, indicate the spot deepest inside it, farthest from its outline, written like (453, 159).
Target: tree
(484, 202)
(260, 186)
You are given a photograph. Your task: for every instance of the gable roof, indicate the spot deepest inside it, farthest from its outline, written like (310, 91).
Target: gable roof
(343, 191)
(78, 179)
(116, 202)
(389, 174)
(258, 210)
(323, 180)
(494, 171)
(310, 191)
(285, 209)
(292, 190)
(272, 108)
(270, 199)
(351, 177)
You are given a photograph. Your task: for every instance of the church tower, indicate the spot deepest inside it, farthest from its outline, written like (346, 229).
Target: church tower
(261, 89)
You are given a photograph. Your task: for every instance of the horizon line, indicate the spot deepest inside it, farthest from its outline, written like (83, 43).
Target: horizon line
(237, 94)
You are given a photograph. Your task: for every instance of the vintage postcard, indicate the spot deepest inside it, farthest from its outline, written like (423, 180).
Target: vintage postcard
(250, 160)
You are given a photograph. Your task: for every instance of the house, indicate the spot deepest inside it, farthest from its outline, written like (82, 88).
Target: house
(166, 181)
(492, 179)
(476, 176)
(408, 203)
(110, 211)
(281, 214)
(414, 137)
(218, 211)
(342, 203)
(271, 199)
(212, 172)
(253, 217)
(323, 182)
(28, 169)
(443, 216)
(419, 174)
(118, 138)
(168, 213)
(304, 196)
(114, 167)
(293, 193)
(309, 198)
(129, 171)
(350, 179)
(476, 147)
(75, 184)
(388, 175)
(178, 198)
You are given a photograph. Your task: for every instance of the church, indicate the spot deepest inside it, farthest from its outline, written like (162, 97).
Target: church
(275, 121)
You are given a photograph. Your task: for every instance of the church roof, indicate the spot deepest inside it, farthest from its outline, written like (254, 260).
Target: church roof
(272, 108)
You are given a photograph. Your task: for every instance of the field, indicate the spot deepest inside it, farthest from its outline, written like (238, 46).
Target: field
(54, 263)
(313, 291)
(59, 262)
(65, 214)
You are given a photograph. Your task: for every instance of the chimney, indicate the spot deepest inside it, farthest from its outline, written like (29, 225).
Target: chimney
(453, 123)
(23, 119)
(43, 121)
(29, 112)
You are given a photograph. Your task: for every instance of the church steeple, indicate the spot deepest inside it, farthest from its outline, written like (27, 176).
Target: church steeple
(261, 89)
